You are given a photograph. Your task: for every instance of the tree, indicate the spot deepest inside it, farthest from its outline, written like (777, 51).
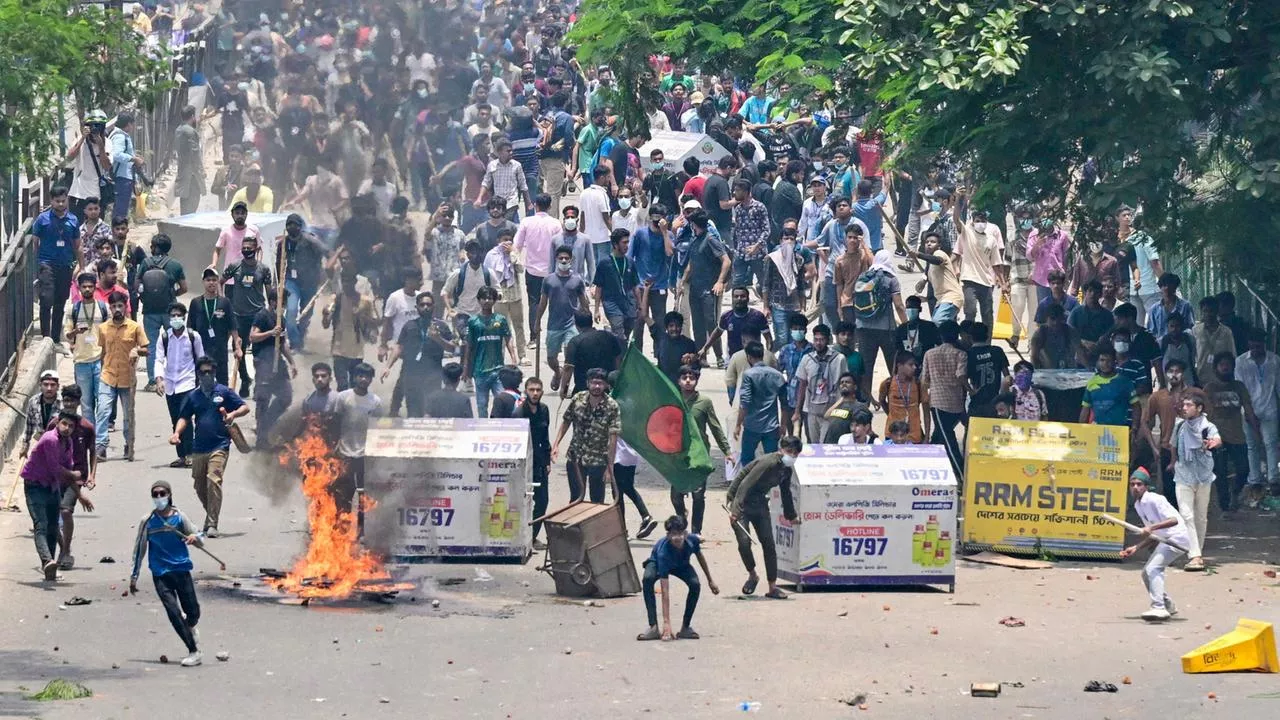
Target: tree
(59, 49)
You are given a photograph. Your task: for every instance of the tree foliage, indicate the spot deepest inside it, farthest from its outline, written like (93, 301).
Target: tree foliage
(54, 50)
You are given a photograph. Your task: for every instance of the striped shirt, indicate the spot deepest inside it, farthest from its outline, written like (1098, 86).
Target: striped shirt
(525, 149)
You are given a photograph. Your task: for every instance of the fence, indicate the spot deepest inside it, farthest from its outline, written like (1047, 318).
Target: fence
(25, 197)
(1202, 275)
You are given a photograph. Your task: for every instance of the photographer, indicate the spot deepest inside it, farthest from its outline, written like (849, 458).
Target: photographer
(91, 177)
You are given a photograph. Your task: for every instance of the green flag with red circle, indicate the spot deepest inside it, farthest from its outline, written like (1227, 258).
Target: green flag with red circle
(656, 424)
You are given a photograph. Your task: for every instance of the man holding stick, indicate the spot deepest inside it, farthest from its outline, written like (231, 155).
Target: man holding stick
(1164, 527)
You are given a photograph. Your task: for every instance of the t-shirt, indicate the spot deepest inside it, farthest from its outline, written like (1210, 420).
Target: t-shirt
(945, 280)
(564, 297)
(733, 324)
(918, 339)
(210, 429)
(821, 375)
(539, 418)
(504, 405)
(353, 413)
(230, 241)
(854, 364)
(670, 351)
(423, 355)
(211, 319)
(668, 558)
(591, 349)
(1153, 508)
(1110, 398)
(176, 274)
(594, 205)
(986, 367)
(1068, 303)
(841, 420)
(400, 308)
(1091, 323)
(449, 404)
(486, 337)
(617, 281)
(1059, 345)
(887, 319)
(1227, 403)
(247, 287)
(704, 263)
(715, 191)
(758, 397)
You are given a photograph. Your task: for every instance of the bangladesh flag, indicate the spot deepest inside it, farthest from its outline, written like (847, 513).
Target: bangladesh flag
(656, 425)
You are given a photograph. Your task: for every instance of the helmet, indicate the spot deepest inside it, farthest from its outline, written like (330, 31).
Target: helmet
(95, 117)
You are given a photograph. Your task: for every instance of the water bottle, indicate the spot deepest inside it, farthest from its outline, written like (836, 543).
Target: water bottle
(749, 706)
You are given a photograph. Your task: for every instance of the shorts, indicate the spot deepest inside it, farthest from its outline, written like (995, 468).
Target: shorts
(68, 501)
(556, 339)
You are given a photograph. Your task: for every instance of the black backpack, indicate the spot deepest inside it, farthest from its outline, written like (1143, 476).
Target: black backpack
(155, 287)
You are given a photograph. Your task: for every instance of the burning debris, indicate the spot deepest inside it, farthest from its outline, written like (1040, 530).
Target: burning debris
(335, 565)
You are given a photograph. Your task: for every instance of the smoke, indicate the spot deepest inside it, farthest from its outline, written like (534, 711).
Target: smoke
(279, 480)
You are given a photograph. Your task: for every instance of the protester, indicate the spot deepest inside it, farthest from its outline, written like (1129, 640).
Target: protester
(589, 349)
(488, 333)
(757, 422)
(1194, 440)
(670, 556)
(1029, 402)
(354, 320)
(84, 460)
(943, 381)
(210, 317)
(202, 422)
(818, 376)
(273, 366)
(617, 288)
(56, 234)
(1212, 338)
(123, 342)
(539, 417)
(163, 536)
(903, 398)
(748, 502)
(353, 408)
(1160, 522)
(445, 401)
(1259, 370)
(596, 422)
(47, 473)
(249, 284)
(176, 356)
(1230, 409)
(41, 409)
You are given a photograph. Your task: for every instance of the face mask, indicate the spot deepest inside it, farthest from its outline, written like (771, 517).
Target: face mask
(528, 87)
(797, 335)
(913, 314)
(1122, 347)
(1022, 379)
(624, 203)
(980, 226)
(243, 86)
(177, 323)
(788, 460)
(1024, 224)
(206, 381)
(817, 165)
(422, 92)
(935, 206)
(1095, 248)
(570, 224)
(564, 265)
(656, 166)
(160, 502)
(250, 254)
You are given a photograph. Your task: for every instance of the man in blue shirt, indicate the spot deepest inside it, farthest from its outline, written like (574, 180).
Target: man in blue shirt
(124, 161)
(165, 535)
(1169, 304)
(651, 250)
(867, 209)
(670, 556)
(557, 151)
(211, 408)
(758, 422)
(57, 233)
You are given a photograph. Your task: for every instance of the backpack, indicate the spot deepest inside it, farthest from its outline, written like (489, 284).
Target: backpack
(462, 280)
(164, 340)
(155, 287)
(871, 294)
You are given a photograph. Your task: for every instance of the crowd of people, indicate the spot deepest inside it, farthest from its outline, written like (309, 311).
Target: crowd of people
(550, 235)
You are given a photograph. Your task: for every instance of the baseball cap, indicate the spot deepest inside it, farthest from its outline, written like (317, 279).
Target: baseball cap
(50, 375)
(691, 204)
(209, 272)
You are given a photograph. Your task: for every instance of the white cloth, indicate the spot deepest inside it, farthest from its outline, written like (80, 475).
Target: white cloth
(177, 364)
(1193, 503)
(400, 308)
(982, 253)
(1153, 573)
(594, 204)
(1155, 508)
(625, 455)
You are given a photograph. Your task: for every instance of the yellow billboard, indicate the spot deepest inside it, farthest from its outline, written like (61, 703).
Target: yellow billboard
(1043, 486)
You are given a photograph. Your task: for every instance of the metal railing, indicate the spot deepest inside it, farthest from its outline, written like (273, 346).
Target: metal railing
(17, 299)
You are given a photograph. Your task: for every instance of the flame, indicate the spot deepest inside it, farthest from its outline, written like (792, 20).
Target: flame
(335, 562)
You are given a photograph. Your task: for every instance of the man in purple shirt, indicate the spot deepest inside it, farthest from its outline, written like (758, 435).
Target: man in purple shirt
(1047, 250)
(46, 472)
(84, 461)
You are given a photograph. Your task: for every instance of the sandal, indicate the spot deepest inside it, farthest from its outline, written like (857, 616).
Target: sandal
(687, 633)
(749, 587)
(650, 634)
(178, 463)
(776, 594)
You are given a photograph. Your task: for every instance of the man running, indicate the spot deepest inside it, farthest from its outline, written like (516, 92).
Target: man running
(166, 532)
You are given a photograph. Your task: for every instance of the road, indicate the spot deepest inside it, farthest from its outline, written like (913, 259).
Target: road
(501, 644)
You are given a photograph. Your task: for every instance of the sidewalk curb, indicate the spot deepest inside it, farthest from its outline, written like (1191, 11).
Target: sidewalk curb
(38, 357)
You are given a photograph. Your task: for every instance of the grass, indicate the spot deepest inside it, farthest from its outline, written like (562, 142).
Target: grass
(59, 689)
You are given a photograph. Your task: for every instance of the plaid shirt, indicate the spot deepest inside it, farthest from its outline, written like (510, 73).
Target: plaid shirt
(944, 370)
(591, 429)
(751, 227)
(37, 420)
(1020, 266)
(506, 181)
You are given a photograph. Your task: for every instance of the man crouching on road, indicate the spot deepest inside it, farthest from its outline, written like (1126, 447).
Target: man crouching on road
(166, 532)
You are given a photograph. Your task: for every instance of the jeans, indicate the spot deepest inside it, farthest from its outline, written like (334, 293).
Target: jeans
(174, 402)
(586, 478)
(177, 593)
(870, 343)
(622, 327)
(124, 197)
(1022, 297)
(624, 476)
(705, 308)
(1153, 573)
(1264, 454)
(748, 271)
(778, 316)
(657, 309)
(978, 302)
(272, 396)
(830, 304)
(42, 504)
(600, 253)
(758, 519)
(487, 386)
(1144, 302)
(750, 439)
(944, 312)
(690, 578)
(1193, 503)
(342, 367)
(87, 377)
(55, 289)
(1228, 485)
(541, 492)
(298, 299)
(416, 387)
(244, 324)
(107, 397)
(944, 433)
(699, 505)
(153, 324)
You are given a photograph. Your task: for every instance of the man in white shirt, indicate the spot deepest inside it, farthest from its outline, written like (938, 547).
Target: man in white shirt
(1160, 522)
(1259, 370)
(176, 355)
(382, 189)
(401, 307)
(596, 222)
(983, 268)
(353, 409)
(505, 271)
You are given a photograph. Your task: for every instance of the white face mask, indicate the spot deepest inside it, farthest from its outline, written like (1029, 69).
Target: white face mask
(1121, 347)
(788, 460)
(624, 203)
(160, 502)
(980, 226)
(564, 265)
(913, 314)
(570, 224)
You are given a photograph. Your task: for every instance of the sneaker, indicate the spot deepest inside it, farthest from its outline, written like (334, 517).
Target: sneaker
(1169, 606)
(61, 349)
(539, 545)
(111, 427)
(533, 345)
(102, 454)
(66, 562)
(193, 659)
(647, 526)
(719, 363)
(1195, 564)
(525, 362)
(1152, 614)
(51, 571)
(150, 387)
(211, 532)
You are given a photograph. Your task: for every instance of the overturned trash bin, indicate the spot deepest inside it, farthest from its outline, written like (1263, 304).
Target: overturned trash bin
(587, 551)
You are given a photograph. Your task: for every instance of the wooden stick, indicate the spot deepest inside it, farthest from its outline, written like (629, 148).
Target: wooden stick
(1138, 530)
(311, 303)
(280, 241)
